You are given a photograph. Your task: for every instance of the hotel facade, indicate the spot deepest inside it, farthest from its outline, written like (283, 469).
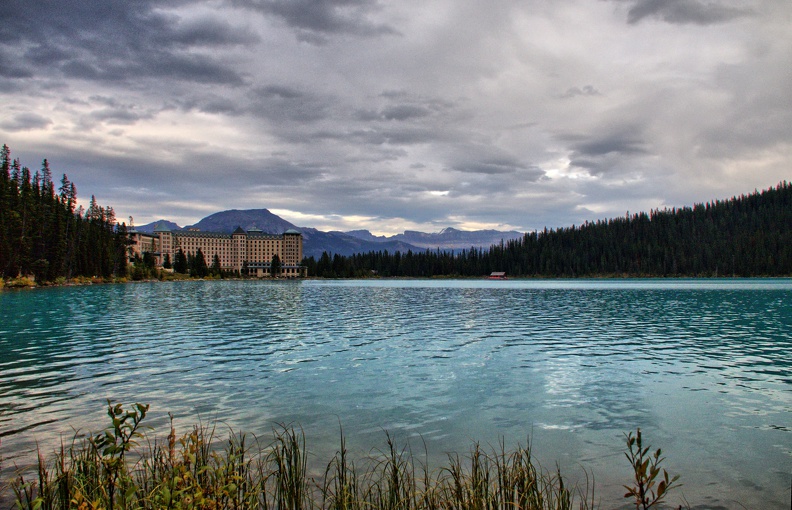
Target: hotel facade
(248, 252)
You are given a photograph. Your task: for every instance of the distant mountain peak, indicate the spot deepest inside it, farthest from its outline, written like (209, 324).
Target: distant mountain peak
(248, 219)
(151, 227)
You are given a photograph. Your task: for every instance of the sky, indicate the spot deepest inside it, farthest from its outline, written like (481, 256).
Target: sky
(408, 115)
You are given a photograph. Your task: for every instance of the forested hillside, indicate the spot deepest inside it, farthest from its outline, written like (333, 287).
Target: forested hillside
(750, 235)
(43, 232)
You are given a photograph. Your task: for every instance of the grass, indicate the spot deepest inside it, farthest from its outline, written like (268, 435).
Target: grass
(122, 468)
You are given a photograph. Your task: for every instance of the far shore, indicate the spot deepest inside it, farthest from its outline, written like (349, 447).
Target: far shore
(29, 282)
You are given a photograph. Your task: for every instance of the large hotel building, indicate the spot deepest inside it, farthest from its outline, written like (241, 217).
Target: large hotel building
(248, 252)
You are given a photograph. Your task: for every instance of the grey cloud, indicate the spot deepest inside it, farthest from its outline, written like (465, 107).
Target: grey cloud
(588, 90)
(46, 54)
(500, 166)
(194, 68)
(9, 68)
(120, 116)
(599, 147)
(404, 112)
(106, 101)
(608, 153)
(116, 40)
(221, 105)
(210, 32)
(314, 19)
(367, 115)
(273, 172)
(409, 136)
(596, 167)
(284, 104)
(486, 167)
(404, 136)
(86, 71)
(26, 122)
(684, 12)
(622, 140)
(280, 91)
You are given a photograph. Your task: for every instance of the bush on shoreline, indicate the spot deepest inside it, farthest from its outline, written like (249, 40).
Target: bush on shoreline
(112, 470)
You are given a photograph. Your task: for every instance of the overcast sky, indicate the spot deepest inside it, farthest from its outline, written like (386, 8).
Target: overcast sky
(388, 116)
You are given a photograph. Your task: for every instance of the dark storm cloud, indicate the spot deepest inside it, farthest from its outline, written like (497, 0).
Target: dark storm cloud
(26, 121)
(609, 153)
(683, 12)
(319, 18)
(191, 68)
(9, 68)
(115, 40)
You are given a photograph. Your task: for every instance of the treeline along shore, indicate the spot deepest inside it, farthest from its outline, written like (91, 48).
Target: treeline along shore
(46, 238)
(745, 236)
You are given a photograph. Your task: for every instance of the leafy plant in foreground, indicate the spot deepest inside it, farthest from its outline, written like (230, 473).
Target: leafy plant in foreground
(646, 490)
(113, 445)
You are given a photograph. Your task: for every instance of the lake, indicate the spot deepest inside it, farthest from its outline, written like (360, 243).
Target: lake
(703, 367)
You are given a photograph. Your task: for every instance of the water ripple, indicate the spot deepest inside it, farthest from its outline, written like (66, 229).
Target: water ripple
(699, 363)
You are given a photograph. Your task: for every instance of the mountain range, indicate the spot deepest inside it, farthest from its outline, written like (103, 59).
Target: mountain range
(315, 242)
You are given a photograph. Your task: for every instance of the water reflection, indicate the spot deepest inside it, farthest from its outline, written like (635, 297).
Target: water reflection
(697, 364)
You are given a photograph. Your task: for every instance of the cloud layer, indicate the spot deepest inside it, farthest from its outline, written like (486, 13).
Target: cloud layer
(345, 114)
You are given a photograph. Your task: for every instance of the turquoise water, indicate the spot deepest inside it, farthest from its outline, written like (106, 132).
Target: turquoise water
(704, 367)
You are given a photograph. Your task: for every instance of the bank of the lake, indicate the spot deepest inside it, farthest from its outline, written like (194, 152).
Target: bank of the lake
(700, 365)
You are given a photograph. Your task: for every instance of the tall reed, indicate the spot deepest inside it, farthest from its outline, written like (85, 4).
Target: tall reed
(123, 469)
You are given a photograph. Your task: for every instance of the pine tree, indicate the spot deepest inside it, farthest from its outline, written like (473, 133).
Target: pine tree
(198, 265)
(275, 265)
(180, 262)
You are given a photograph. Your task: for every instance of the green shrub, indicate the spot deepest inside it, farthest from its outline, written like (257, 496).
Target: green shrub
(20, 282)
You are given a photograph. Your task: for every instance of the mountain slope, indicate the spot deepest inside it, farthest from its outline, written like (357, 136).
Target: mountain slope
(228, 221)
(149, 227)
(316, 242)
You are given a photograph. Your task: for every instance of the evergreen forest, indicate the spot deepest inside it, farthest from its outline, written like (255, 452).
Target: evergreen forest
(44, 234)
(749, 235)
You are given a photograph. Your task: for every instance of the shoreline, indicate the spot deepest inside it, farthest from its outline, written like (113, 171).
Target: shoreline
(28, 283)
